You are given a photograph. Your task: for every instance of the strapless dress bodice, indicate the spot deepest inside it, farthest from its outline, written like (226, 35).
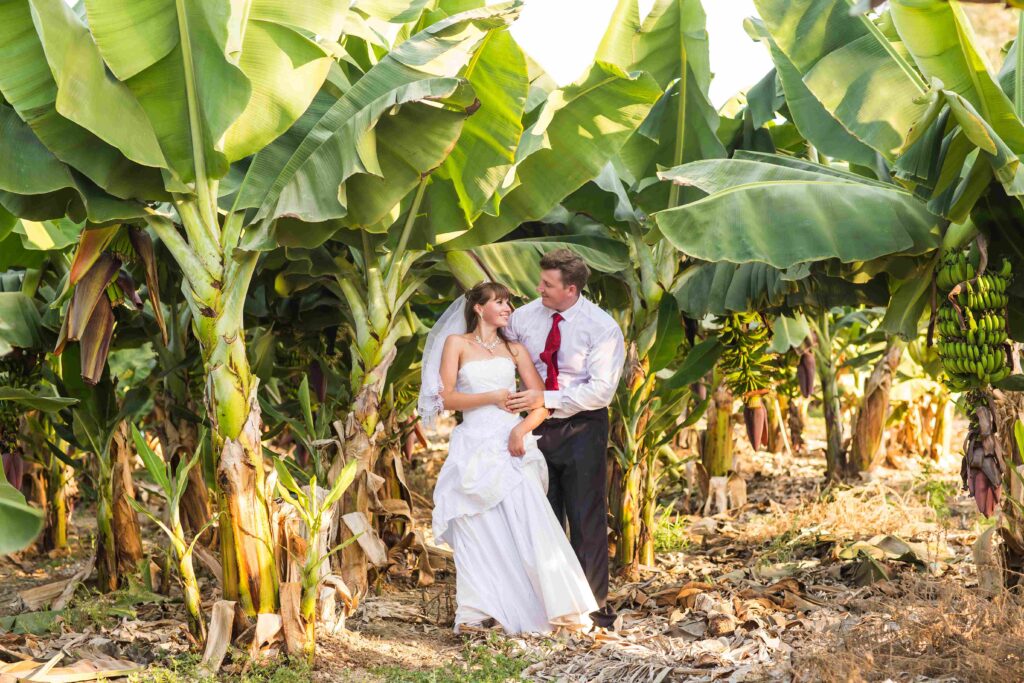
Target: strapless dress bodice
(481, 376)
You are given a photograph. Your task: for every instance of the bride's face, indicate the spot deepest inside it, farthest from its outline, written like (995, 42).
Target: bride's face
(495, 312)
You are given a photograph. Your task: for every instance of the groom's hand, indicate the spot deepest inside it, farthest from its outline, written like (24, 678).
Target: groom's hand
(525, 400)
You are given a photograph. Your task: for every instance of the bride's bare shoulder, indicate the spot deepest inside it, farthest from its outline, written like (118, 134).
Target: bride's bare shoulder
(456, 341)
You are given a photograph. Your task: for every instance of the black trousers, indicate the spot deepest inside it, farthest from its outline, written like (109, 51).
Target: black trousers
(576, 451)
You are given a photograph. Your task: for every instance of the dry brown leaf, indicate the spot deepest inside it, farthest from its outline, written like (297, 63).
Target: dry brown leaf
(268, 632)
(291, 617)
(93, 668)
(218, 636)
(367, 538)
(687, 594)
(721, 624)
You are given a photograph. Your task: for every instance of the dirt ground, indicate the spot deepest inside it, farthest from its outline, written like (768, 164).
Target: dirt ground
(873, 581)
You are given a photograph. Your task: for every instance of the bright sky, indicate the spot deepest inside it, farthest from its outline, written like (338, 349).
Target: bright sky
(562, 35)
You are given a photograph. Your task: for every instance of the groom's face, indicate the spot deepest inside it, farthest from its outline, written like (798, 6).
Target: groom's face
(553, 293)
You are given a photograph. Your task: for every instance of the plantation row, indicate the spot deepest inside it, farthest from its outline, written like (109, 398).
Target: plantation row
(224, 234)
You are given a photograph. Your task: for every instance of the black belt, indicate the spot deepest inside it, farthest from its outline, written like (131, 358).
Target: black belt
(598, 414)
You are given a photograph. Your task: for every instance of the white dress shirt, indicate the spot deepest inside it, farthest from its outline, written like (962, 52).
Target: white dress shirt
(590, 357)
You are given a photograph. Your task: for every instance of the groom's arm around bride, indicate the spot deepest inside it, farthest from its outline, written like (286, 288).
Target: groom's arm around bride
(578, 349)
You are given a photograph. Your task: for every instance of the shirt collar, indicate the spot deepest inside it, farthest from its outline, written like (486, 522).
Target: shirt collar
(569, 313)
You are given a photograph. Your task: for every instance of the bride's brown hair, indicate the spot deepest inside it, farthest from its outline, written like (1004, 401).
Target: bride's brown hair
(481, 294)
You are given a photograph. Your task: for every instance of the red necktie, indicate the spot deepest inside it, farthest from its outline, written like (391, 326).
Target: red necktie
(549, 355)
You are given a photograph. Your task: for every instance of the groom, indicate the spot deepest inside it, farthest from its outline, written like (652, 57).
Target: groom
(578, 350)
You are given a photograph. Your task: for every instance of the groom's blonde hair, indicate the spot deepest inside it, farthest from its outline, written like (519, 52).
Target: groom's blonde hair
(571, 265)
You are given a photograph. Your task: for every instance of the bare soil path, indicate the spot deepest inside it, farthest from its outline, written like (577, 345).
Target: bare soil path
(872, 581)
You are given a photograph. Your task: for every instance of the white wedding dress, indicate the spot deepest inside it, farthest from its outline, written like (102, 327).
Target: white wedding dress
(513, 561)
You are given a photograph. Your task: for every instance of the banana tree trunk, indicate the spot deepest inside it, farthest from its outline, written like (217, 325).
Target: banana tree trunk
(637, 495)
(796, 420)
(776, 443)
(391, 469)
(717, 454)
(648, 508)
(1009, 408)
(107, 577)
(124, 521)
(629, 521)
(869, 424)
(835, 458)
(250, 573)
(56, 534)
(360, 443)
(942, 434)
(106, 549)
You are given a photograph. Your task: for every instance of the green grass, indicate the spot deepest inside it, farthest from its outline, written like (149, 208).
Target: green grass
(493, 661)
(187, 669)
(937, 492)
(671, 532)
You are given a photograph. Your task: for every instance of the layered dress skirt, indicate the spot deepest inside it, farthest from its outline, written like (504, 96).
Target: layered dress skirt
(513, 561)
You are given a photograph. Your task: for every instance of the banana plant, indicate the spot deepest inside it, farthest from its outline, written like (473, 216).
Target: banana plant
(312, 504)
(376, 275)
(27, 402)
(148, 124)
(835, 333)
(951, 130)
(172, 483)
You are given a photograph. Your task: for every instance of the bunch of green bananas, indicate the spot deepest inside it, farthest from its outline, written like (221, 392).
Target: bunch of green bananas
(746, 362)
(16, 370)
(749, 370)
(956, 267)
(972, 341)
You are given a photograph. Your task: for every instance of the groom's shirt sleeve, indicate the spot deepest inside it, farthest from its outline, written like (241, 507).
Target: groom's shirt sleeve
(604, 366)
(512, 329)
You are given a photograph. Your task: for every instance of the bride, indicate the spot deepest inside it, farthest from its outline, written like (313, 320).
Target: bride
(513, 562)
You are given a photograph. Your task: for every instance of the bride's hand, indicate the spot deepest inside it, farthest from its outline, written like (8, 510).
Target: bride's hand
(516, 445)
(500, 397)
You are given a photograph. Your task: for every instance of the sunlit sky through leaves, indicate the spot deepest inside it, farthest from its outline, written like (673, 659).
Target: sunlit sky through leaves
(562, 36)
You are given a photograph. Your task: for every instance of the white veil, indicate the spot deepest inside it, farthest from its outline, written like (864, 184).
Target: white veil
(452, 321)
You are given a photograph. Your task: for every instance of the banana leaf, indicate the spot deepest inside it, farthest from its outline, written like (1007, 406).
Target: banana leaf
(764, 213)
(21, 522)
(580, 129)
(849, 65)
(20, 323)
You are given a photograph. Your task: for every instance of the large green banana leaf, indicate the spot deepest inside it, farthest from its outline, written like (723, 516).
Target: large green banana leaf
(26, 165)
(813, 121)
(28, 85)
(516, 263)
(13, 253)
(671, 42)
(850, 66)
(394, 11)
(24, 397)
(85, 93)
(580, 128)
(302, 173)
(766, 213)
(939, 37)
(217, 80)
(410, 144)
(36, 184)
(20, 522)
(672, 29)
(480, 162)
(20, 324)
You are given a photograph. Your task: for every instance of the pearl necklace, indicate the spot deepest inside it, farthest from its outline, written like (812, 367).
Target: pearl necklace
(490, 346)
